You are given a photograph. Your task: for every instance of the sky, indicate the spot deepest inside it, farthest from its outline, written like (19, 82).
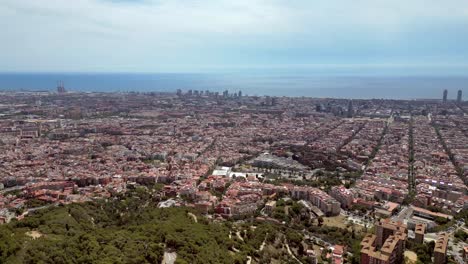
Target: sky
(407, 36)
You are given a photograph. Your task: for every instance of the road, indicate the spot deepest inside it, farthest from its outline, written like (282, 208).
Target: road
(11, 189)
(455, 249)
(169, 257)
(195, 219)
(356, 219)
(404, 214)
(291, 254)
(30, 210)
(316, 240)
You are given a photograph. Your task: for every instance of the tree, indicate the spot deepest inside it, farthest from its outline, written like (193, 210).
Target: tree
(462, 235)
(320, 220)
(441, 220)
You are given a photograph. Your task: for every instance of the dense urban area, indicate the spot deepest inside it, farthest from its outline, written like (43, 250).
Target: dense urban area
(208, 177)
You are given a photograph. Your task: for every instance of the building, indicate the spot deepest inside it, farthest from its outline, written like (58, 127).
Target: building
(444, 99)
(386, 246)
(350, 109)
(459, 96)
(312, 257)
(419, 231)
(391, 251)
(61, 88)
(440, 249)
(342, 195)
(337, 254)
(318, 198)
(385, 228)
(386, 210)
(270, 206)
(426, 214)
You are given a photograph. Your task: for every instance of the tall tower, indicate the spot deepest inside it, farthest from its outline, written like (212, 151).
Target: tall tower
(440, 249)
(350, 109)
(419, 233)
(444, 99)
(61, 87)
(459, 96)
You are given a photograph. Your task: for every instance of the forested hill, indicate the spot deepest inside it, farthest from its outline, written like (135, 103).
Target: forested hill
(129, 229)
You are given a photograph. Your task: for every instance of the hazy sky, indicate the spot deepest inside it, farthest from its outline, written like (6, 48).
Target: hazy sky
(425, 36)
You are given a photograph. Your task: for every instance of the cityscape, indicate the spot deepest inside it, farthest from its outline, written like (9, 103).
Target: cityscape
(291, 179)
(234, 132)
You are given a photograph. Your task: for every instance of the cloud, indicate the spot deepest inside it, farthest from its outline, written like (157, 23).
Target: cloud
(171, 34)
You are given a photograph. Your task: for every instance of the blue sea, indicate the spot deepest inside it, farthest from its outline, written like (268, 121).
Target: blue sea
(273, 84)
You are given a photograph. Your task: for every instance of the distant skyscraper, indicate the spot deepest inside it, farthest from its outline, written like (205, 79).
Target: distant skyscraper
(350, 109)
(444, 99)
(319, 107)
(179, 92)
(240, 93)
(274, 101)
(459, 96)
(61, 87)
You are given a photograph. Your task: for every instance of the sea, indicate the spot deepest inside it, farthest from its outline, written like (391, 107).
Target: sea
(272, 84)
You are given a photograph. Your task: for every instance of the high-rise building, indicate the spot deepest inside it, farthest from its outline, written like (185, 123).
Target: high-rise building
(391, 252)
(444, 99)
(61, 87)
(386, 228)
(386, 246)
(240, 93)
(342, 195)
(459, 96)
(179, 92)
(419, 231)
(274, 101)
(350, 109)
(440, 249)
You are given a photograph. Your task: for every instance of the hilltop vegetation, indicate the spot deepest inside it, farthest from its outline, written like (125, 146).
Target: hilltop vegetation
(129, 228)
(119, 231)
